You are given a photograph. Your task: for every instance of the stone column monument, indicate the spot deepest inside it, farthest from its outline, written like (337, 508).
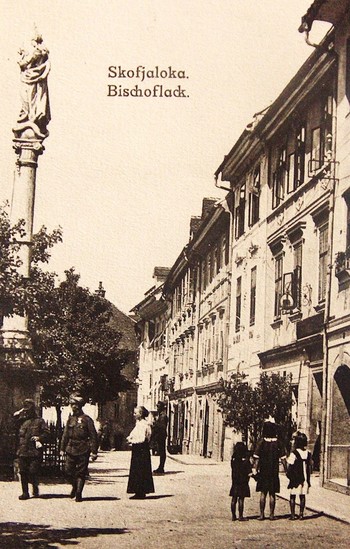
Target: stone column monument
(18, 377)
(29, 134)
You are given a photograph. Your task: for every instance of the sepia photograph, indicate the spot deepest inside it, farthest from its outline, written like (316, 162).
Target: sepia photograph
(174, 274)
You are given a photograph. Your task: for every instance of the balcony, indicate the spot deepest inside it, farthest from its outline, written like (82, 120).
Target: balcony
(342, 266)
(310, 326)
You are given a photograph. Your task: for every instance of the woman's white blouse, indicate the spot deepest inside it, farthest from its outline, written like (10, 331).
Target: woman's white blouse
(140, 433)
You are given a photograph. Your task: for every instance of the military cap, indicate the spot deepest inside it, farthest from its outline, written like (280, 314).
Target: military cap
(28, 403)
(76, 399)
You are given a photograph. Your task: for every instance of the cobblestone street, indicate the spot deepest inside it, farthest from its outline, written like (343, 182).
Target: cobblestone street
(190, 509)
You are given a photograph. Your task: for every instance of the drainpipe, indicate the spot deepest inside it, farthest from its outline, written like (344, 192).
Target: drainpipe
(305, 28)
(324, 460)
(220, 186)
(196, 365)
(325, 400)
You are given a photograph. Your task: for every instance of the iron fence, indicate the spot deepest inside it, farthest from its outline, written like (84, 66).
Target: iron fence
(53, 461)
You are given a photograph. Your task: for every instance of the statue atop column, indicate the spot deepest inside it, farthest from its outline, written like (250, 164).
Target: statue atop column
(35, 111)
(20, 377)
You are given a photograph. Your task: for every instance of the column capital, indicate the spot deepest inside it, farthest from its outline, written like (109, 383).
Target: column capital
(28, 150)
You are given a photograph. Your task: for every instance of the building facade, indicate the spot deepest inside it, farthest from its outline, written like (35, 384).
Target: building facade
(198, 289)
(263, 285)
(336, 365)
(151, 316)
(282, 174)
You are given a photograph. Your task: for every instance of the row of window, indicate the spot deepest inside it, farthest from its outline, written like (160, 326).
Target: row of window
(216, 258)
(183, 355)
(185, 291)
(287, 163)
(212, 343)
(287, 285)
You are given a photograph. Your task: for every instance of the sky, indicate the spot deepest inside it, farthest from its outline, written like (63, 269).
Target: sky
(123, 175)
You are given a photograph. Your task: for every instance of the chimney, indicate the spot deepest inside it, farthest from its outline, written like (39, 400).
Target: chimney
(194, 225)
(207, 205)
(160, 273)
(101, 292)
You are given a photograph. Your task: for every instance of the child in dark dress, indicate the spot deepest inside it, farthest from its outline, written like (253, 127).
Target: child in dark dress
(241, 471)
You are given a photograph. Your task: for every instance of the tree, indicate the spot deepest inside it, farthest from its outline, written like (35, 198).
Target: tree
(275, 398)
(245, 407)
(236, 403)
(73, 341)
(18, 294)
(10, 279)
(75, 346)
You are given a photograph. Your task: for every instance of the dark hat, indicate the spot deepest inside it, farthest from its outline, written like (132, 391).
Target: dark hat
(144, 411)
(28, 404)
(76, 399)
(160, 404)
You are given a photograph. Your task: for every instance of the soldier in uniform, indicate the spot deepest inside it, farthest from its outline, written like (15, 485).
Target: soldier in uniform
(78, 441)
(32, 433)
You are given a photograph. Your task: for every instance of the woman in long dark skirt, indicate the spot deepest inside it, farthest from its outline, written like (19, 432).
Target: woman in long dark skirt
(140, 476)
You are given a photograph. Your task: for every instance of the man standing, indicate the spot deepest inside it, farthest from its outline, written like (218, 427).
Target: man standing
(31, 435)
(159, 432)
(78, 441)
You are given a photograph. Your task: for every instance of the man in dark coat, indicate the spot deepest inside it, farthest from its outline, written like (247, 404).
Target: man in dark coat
(78, 441)
(159, 433)
(32, 433)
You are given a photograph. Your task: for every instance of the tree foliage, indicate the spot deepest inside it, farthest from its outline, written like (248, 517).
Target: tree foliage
(18, 294)
(75, 345)
(11, 281)
(236, 403)
(246, 407)
(73, 342)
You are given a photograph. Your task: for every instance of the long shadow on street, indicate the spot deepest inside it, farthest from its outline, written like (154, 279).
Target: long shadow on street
(16, 535)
